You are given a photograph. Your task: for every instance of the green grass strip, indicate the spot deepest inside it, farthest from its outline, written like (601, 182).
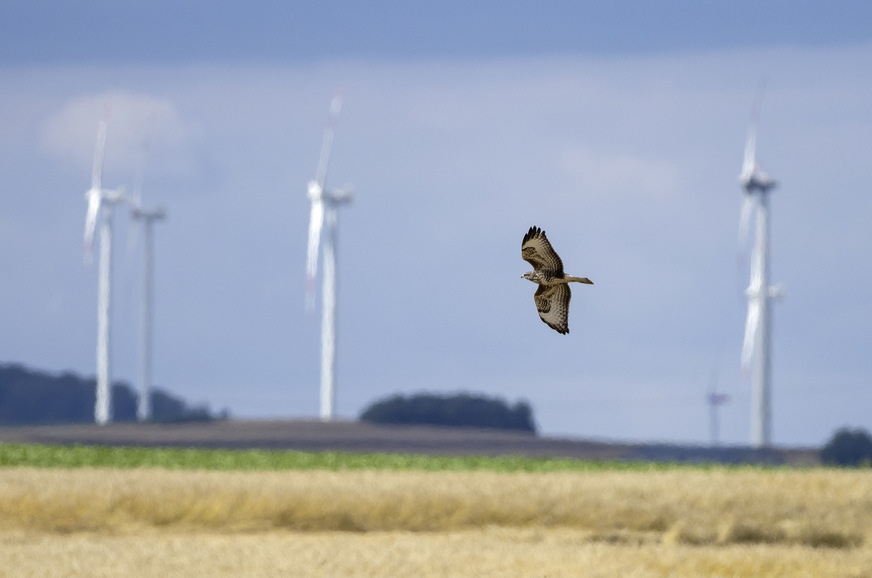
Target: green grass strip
(82, 456)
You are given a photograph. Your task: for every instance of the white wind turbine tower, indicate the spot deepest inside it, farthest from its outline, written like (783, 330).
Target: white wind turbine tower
(147, 218)
(325, 206)
(100, 204)
(756, 348)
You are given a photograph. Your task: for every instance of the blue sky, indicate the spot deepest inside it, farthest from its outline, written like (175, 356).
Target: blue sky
(164, 31)
(618, 127)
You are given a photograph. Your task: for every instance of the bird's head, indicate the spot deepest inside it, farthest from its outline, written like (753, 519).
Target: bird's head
(530, 276)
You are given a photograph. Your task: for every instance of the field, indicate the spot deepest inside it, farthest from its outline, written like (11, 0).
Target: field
(65, 512)
(316, 436)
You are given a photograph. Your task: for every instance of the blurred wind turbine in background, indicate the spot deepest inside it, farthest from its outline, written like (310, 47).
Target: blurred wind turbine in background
(715, 400)
(757, 342)
(325, 206)
(100, 206)
(147, 218)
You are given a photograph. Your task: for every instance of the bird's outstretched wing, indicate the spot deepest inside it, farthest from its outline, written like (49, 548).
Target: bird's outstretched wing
(552, 302)
(536, 250)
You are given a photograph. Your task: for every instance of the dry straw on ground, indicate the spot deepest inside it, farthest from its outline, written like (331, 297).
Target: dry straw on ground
(494, 552)
(813, 507)
(149, 522)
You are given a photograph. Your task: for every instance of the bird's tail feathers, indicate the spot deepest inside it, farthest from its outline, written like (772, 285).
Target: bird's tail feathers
(570, 278)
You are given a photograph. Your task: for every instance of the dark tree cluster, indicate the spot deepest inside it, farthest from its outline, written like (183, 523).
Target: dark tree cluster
(459, 410)
(30, 397)
(848, 447)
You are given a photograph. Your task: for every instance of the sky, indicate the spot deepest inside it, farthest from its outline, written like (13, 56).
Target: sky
(617, 127)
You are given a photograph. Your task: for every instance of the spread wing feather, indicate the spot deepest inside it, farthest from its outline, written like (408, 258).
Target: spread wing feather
(536, 250)
(552, 302)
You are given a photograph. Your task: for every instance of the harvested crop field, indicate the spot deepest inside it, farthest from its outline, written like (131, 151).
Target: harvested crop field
(249, 499)
(813, 507)
(673, 522)
(485, 552)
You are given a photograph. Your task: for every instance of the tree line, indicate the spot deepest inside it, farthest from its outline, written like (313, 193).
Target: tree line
(458, 410)
(850, 447)
(31, 397)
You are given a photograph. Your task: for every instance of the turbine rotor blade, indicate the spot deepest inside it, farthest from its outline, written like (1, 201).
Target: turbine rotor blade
(750, 161)
(751, 324)
(327, 142)
(756, 293)
(136, 199)
(316, 222)
(744, 220)
(93, 197)
(140, 172)
(97, 167)
(742, 248)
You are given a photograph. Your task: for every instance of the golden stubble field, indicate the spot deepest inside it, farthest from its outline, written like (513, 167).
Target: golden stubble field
(681, 522)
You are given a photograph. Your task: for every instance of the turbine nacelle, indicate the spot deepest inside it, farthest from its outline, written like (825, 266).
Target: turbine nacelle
(757, 180)
(771, 292)
(336, 196)
(339, 196)
(153, 215)
(114, 196)
(777, 292)
(98, 197)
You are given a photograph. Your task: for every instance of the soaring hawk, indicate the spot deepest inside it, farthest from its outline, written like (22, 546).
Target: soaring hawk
(553, 295)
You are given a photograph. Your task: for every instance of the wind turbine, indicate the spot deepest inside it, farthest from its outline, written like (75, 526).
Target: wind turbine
(715, 400)
(325, 205)
(147, 217)
(100, 205)
(756, 348)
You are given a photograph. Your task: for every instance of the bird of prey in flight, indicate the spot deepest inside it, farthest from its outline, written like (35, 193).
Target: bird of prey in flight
(553, 295)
